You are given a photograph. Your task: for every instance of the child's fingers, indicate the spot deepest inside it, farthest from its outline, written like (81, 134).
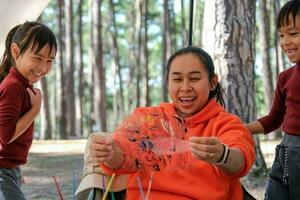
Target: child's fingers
(33, 91)
(30, 92)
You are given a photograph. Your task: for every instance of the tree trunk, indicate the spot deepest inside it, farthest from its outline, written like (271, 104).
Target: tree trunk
(79, 97)
(166, 44)
(234, 58)
(280, 63)
(70, 69)
(120, 94)
(184, 31)
(61, 117)
(145, 56)
(132, 61)
(264, 27)
(99, 75)
(173, 30)
(91, 82)
(46, 126)
(198, 23)
(138, 27)
(267, 77)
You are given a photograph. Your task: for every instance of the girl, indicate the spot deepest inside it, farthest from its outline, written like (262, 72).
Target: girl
(284, 179)
(188, 149)
(30, 50)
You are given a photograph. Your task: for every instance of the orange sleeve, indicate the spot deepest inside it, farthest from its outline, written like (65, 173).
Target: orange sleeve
(233, 133)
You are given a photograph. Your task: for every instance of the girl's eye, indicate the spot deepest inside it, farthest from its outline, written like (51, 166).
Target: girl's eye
(37, 58)
(195, 79)
(294, 33)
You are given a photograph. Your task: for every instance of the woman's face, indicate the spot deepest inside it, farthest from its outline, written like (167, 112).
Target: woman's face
(189, 85)
(33, 66)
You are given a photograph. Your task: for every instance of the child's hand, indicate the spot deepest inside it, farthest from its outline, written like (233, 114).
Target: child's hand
(35, 99)
(208, 149)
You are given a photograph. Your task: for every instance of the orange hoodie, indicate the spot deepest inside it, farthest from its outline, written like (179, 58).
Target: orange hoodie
(178, 175)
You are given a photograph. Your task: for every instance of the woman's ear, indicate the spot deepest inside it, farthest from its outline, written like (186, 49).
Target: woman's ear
(14, 48)
(213, 82)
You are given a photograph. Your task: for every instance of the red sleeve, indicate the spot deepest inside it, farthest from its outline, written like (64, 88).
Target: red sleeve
(11, 98)
(274, 119)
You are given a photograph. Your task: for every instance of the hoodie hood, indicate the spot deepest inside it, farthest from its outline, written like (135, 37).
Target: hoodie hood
(211, 110)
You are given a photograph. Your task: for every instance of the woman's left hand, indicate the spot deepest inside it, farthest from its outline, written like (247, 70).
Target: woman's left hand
(208, 149)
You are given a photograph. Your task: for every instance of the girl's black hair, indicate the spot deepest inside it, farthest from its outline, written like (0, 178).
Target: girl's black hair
(26, 35)
(209, 66)
(290, 9)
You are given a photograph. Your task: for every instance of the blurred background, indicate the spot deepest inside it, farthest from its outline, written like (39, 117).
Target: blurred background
(112, 57)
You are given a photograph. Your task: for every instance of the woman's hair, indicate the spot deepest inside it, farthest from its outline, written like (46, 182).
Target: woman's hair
(290, 9)
(209, 66)
(29, 34)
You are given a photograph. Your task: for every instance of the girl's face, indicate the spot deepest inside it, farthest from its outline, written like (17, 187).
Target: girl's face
(188, 84)
(290, 40)
(33, 66)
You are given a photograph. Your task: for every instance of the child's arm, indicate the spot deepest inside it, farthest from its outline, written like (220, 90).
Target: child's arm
(25, 121)
(255, 127)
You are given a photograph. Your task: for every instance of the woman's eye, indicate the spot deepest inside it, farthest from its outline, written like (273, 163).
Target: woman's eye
(176, 79)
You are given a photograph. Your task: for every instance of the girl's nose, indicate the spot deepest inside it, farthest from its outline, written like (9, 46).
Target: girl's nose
(45, 68)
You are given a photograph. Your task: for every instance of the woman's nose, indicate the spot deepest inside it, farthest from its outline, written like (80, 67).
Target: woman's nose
(185, 85)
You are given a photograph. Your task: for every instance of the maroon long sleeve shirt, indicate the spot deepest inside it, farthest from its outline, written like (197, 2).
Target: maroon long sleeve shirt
(285, 110)
(14, 103)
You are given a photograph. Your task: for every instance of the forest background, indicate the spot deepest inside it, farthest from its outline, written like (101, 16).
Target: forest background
(112, 57)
